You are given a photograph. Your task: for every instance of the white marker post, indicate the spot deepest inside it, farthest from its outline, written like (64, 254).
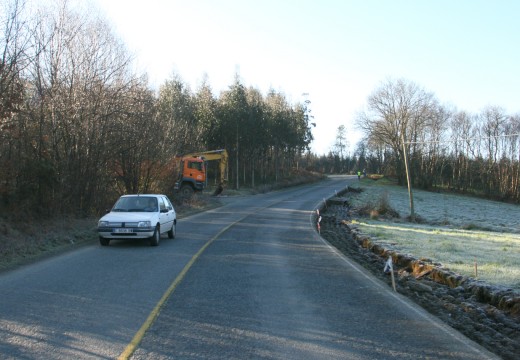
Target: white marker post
(319, 220)
(389, 266)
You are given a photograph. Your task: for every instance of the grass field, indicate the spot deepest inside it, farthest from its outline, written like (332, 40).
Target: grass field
(458, 231)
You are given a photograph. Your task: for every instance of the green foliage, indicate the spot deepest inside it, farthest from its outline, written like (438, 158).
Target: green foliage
(93, 129)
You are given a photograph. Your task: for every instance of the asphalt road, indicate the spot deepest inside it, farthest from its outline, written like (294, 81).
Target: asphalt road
(249, 280)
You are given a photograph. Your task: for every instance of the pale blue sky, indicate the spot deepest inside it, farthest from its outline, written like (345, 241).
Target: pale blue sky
(464, 51)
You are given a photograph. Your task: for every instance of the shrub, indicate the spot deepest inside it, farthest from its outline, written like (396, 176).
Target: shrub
(384, 207)
(381, 208)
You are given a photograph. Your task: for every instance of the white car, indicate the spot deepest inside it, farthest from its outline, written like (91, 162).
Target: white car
(141, 216)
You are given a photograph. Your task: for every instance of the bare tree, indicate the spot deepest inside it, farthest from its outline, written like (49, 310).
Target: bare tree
(75, 79)
(397, 111)
(14, 57)
(461, 130)
(493, 120)
(432, 147)
(341, 144)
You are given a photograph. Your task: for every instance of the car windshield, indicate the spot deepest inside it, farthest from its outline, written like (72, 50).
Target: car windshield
(136, 204)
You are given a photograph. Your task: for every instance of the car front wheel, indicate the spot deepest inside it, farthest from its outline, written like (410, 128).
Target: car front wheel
(154, 240)
(103, 241)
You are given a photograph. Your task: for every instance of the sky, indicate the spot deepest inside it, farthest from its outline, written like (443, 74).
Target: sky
(466, 52)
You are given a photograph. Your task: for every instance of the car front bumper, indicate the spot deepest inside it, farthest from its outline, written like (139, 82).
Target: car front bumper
(121, 233)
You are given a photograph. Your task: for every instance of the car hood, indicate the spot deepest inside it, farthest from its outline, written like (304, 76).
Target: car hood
(128, 216)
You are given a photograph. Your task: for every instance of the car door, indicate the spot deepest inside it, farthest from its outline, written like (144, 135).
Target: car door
(165, 215)
(170, 206)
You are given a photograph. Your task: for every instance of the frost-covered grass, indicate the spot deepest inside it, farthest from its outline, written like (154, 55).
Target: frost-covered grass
(459, 232)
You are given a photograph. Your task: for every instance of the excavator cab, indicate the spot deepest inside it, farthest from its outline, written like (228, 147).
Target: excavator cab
(192, 176)
(193, 172)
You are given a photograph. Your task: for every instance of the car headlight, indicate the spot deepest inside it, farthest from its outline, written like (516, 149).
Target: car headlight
(144, 224)
(103, 224)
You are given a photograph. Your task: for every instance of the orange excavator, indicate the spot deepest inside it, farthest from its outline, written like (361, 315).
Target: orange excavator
(193, 171)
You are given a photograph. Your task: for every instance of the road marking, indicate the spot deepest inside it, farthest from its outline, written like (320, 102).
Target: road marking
(138, 337)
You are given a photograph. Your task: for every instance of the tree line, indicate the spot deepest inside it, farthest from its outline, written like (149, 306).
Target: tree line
(446, 148)
(78, 125)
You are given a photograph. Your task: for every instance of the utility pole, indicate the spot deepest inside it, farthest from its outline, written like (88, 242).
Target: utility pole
(410, 194)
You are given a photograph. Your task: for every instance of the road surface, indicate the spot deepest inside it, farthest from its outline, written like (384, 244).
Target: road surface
(249, 280)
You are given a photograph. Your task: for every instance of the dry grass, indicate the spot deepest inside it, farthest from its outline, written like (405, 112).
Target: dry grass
(459, 231)
(21, 243)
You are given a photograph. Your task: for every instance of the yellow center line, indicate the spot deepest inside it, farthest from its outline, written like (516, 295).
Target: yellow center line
(138, 337)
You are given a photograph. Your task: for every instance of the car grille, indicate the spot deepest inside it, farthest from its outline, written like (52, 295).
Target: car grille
(122, 224)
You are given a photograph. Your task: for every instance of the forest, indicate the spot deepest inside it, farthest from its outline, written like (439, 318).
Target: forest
(79, 125)
(447, 149)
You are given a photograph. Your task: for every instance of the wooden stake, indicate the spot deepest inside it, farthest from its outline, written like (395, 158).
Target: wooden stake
(390, 266)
